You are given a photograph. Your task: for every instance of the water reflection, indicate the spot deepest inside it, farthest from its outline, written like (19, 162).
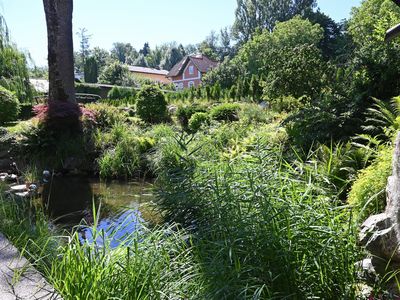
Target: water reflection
(67, 199)
(115, 230)
(121, 206)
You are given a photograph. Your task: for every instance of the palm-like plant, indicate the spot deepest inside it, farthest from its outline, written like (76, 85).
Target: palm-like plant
(383, 119)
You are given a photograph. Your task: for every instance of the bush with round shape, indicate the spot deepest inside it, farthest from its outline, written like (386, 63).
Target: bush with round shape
(185, 112)
(151, 105)
(225, 112)
(9, 106)
(197, 120)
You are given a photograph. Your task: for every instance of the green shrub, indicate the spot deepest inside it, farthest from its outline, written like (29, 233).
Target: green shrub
(107, 115)
(85, 88)
(9, 106)
(225, 112)
(118, 93)
(151, 105)
(123, 150)
(126, 158)
(197, 120)
(367, 195)
(185, 112)
(251, 113)
(26, 111)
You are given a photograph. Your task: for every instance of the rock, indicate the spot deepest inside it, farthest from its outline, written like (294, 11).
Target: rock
(172, 109)
(5, 177)
(380, 234)
(26, 194)
(18, 188)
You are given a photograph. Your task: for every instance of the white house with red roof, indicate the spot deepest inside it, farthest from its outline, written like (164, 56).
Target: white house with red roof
(190, 71)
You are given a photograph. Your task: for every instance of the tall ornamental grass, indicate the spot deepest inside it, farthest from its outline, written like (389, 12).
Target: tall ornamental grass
(264, 230)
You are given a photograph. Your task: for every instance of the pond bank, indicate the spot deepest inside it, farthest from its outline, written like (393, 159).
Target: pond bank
(18, 279)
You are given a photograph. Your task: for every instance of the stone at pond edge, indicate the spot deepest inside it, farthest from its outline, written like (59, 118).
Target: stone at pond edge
(380, 234)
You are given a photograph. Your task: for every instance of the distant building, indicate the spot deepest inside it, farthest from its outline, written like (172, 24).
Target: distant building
(150, 73)
(40, 85)
(190, 71)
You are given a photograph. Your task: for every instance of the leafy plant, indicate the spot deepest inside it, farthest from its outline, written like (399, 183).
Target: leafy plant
(9, 106)
(367, 195)
(197, 120)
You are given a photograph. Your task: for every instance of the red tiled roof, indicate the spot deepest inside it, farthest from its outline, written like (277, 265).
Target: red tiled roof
(202, 62)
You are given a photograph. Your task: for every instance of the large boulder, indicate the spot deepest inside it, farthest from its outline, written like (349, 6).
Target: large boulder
(380, 234)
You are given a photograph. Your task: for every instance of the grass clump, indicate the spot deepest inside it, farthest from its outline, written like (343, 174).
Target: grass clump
(123, 151)
(149, 264)
(264, 231)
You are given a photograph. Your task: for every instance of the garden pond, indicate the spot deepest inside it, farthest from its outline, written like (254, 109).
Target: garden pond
(119, 209)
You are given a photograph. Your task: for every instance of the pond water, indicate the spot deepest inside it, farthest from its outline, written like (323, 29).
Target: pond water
(118, 208)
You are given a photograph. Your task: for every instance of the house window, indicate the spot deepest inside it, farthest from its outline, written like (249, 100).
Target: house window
(191, 84)
(191, 70)
(180, 86)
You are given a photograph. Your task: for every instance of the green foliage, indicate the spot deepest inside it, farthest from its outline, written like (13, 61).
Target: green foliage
(87, 88)
(379, 60)
(225, 112)
(323, 119)
(197, 120)
(115, 74)
(285, 62)
(261, 232)
(383, 119)
(14, 74)
(26, 111)
(52, 148)
(153, 264)
(296, 75)
(91, 70)
(119, 93)
(106, 115)
(254, 15)
(367, 195)
(151, 105)
(185, 112)
(9, 106)
(253, 113)
(123, 150)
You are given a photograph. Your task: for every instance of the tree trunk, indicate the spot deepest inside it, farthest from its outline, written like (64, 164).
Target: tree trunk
(60, 50)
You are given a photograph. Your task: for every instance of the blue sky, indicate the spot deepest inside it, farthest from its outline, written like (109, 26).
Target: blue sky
(134, 21)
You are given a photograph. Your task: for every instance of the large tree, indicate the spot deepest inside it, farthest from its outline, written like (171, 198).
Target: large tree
(60, 50)
(263, 14)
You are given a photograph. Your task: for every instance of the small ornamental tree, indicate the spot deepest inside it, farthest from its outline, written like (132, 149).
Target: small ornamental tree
(9, 106)
(151, 105)
(91, 70)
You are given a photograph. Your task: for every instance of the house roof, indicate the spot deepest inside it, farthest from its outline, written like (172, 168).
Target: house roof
(136, 69)
(202, 62)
